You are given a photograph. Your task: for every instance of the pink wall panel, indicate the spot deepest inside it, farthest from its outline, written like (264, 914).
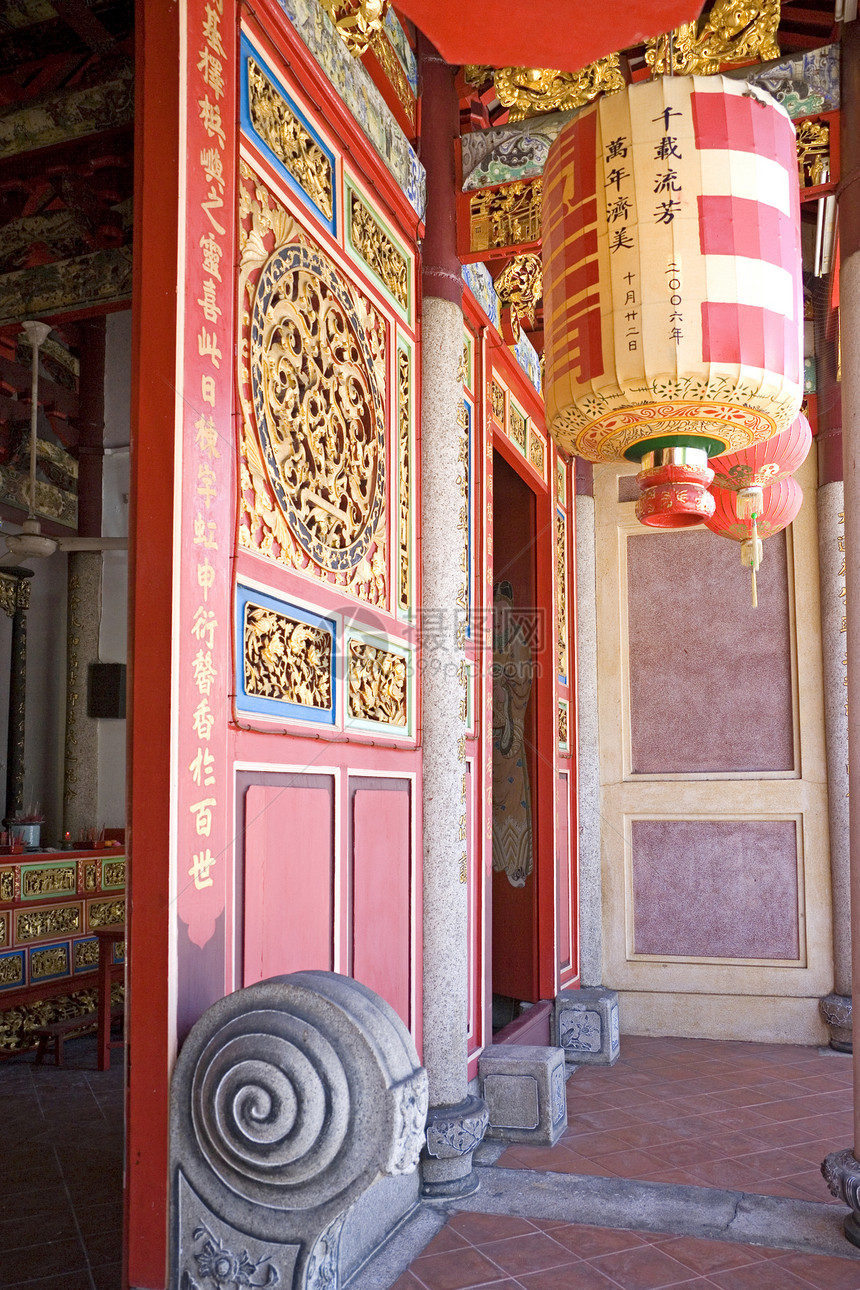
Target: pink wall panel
(715, 888)
(288, 880)
(698, 652)
(562, 868)
(381, 884)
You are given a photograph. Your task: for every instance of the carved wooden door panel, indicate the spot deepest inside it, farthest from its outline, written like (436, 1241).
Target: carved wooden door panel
(324, 696)
(275, 812)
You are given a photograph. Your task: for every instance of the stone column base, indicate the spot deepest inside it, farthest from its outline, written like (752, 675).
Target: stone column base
(585, 1023)
(836, 1011)
(841, 1171)
(453, 1133)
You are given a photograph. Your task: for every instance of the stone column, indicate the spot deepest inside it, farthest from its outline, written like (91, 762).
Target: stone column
(15, 601)
(835, 1007)
(456, 1121)
(84, 601)
(842, 1168)
(588, 771)
(81, 762)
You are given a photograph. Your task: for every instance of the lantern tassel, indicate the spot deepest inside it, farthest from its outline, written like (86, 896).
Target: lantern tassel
(751, 553)
(748, 503)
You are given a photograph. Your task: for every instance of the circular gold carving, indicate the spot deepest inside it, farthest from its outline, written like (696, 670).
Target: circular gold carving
(608, 438)
(318, 407)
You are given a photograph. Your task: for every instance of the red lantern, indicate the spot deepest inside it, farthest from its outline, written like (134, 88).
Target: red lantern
(748, 472)
(674, 483)
(780, 505)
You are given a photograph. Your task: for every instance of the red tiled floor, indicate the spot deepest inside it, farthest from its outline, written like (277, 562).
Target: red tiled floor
(749, 1117)
(596, 1258)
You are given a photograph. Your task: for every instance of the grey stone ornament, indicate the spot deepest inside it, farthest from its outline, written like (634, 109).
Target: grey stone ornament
(524, 1087)
(841, 1171)
(836, 1011)
(586, 1026)
(454, 1131)
(289, 1100)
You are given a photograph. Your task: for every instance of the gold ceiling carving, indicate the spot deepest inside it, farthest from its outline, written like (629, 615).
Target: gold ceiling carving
(813, 152)
(529, 91)
(733, 32)
(508, 216)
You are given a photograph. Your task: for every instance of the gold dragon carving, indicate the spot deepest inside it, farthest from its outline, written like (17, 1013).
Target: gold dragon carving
(377, 684)
(529, 91)
(733, 32)
(520, 286)
(289, 139)
(316, 398)
(286, 659)
(356, 21)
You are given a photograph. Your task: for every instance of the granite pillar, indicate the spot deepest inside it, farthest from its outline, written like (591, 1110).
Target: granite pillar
(81, 761)
(842, 1168)
(588, 769)
(456, 1122)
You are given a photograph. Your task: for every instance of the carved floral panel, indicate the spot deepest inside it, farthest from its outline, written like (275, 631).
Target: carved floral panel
(312, 381)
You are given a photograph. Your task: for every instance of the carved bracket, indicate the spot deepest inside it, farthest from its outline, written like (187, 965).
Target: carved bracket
(289, 1099)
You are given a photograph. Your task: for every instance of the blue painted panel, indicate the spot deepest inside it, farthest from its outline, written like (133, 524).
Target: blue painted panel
(21, 980)
(249, 52)
(280, 707)
(37, 979)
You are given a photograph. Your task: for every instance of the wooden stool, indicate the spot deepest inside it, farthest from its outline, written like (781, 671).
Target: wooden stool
(58, 1031)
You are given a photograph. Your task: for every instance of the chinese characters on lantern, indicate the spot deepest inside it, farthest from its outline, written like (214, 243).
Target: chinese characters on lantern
(621, 223)
(667, 190)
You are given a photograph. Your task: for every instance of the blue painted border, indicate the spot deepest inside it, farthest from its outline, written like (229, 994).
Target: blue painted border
(52, 976)
(248, 51)
(280, 707)
(15, 985)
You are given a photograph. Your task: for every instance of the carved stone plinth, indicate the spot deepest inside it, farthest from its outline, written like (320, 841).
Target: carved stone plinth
(841, 1171)
(453, 1133)
(289, 1099)
(523, 1086)
(836, 1011)
(585, 1025)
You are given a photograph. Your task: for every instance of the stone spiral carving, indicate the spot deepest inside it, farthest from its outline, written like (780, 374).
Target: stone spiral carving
(289, 1099)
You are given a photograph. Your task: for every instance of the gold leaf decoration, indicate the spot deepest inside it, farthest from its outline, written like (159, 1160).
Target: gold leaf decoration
(286, 659)
(520, 286)
(733, 32)
(529, 91)
(356, 21)
(289, 139)
(377, 684)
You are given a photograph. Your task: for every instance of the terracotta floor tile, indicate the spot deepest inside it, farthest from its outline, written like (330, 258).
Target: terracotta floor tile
(576, 1276)
(590, 1242)
(647, 1268)
(766, 1275)
(534, 1253)
(629, 1163)
(705, 1256)
(447, 1239)
(477, 1229)
(823, 1273)
(456, 1270)
(774, 1164)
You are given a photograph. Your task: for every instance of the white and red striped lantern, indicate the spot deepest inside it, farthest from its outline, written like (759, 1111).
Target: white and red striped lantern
(672, 271)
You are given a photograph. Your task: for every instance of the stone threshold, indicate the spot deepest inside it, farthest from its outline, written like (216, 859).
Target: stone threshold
(741, 1218)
